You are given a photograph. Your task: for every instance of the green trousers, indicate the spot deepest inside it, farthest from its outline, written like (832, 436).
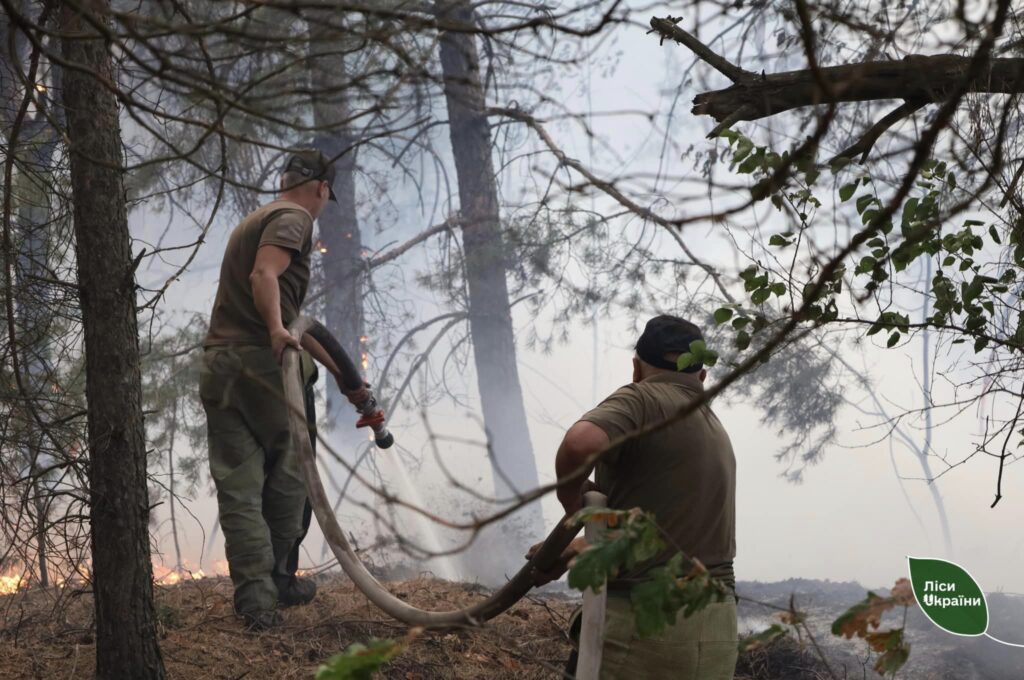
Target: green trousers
(701, 647)
(260, 491)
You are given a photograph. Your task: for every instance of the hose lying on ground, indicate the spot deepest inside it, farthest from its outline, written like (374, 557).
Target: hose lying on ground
(520, 584)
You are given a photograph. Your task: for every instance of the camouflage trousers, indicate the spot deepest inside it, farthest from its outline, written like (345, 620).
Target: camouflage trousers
(260, 490)
(701, 647)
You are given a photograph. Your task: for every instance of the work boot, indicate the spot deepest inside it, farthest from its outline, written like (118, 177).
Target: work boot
(293, 590)
(262, 619)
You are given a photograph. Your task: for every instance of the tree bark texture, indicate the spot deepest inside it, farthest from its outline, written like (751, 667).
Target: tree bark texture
(343, 265)
(122, 574)
(490, 316)
(920, 78)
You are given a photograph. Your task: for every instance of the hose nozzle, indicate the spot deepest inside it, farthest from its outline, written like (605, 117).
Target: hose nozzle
(372, 416)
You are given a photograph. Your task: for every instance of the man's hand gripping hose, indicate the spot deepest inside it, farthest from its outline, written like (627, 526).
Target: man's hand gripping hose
(370, 413)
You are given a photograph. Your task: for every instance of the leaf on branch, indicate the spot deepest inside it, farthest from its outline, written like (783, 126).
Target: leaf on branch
(867, 613)
(762, 639)
(634, 540)
(723, 314)
(360, 662)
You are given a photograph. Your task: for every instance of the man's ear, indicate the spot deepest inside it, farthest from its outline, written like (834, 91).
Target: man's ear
(703, 374)
(637, 377)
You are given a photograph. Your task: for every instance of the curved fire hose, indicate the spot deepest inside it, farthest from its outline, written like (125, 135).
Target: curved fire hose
(520, 584)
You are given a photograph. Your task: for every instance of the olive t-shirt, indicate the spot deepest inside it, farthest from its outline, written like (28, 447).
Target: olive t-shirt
(235, 319)
(685, 474)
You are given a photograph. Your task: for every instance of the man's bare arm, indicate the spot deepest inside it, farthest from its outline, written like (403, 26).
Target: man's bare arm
(271, 262)
(581, 441)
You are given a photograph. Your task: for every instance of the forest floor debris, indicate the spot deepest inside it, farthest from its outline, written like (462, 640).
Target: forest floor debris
(49, 634)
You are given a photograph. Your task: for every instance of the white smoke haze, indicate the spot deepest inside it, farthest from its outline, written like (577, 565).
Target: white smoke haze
(857, 510)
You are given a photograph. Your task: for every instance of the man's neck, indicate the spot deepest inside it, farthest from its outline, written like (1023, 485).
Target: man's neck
(293, 199)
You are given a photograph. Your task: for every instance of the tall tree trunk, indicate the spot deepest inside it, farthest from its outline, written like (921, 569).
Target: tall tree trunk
(126, 645)
(490, 317)
(172, 498)
(33, 311)
(340, 238)
(34, 146)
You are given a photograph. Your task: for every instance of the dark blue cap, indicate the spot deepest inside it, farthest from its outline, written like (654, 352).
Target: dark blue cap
(667, 334)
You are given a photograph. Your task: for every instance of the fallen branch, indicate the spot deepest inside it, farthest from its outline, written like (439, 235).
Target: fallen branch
(917, 79)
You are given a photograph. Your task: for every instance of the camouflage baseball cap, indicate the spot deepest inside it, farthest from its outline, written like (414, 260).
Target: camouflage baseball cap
(314, 164)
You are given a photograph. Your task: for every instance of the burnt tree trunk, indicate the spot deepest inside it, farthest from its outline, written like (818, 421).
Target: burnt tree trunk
(490, 317)
(122, 574)
(340, 239)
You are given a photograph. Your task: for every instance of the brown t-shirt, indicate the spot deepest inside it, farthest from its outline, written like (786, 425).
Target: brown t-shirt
(685, 474)
(235, 319)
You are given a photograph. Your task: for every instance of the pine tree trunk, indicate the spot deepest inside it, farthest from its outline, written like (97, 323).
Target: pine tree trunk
(172, 498)
(490, 316)
(33, 311)
(122, 573)
(340, 238)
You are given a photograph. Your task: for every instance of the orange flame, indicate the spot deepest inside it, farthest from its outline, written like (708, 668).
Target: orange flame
(12, 582)
(169, 576)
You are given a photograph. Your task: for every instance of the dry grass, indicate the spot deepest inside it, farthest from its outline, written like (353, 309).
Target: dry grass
(201, 638)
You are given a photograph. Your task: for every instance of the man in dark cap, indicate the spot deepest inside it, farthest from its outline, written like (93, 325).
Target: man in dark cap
(685, 474)
(260, 491)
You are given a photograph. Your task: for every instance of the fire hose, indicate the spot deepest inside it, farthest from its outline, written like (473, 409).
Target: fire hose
(520, 584)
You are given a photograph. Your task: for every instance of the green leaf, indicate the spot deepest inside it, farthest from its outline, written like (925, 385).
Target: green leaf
(748, 166)
(762, 639)
(949, 596)
(892, 660)
(980, 344)
(846, 191)
(359, 661)
(634, 539)
(683, 361)
(909, 210)
(994, 234)
(838, 163)
(743, 148)
(722, 314)
(864, 201)
(778, 288)
(778, 240)
(742, 340)
(760, 295)
(893, 339)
